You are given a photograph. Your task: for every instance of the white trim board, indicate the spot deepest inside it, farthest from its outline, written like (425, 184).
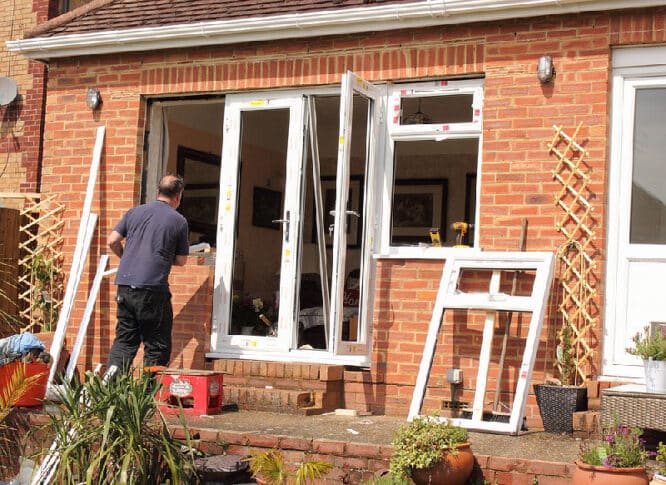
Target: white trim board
(417, 14)
(449, 297)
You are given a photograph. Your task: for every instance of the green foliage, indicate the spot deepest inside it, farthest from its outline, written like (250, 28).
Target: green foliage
(386, 480)
(621, 447)
(649, 346)
(566, 357)
(44, 277)
(270, 465)
(419, 444)
(112, 433)
(661, 458)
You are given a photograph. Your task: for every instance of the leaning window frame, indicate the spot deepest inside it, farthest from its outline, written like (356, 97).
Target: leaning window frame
(436, 132)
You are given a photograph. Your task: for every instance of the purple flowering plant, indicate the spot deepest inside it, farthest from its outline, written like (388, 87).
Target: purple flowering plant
(621, 447)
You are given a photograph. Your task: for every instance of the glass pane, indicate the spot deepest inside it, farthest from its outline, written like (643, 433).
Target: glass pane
(351, 296)
(311, 314)
(454, 108)
(311, 317)
(648, 190)
(434, 187)
(256, 275)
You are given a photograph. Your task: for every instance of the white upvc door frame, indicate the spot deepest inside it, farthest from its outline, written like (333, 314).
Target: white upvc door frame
(235, 105)
(353, 84)
(633, 69)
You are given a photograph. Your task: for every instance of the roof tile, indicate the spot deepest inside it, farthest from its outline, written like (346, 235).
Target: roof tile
(102, 15)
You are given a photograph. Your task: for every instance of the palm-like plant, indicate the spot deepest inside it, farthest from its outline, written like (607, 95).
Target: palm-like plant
(111, 432)
(270, 467)
(15, 386)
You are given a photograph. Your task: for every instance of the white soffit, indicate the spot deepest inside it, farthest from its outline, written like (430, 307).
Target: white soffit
(345, 21)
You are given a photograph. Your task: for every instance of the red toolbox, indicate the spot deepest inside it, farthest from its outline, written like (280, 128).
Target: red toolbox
(196, 391)
(34, 395)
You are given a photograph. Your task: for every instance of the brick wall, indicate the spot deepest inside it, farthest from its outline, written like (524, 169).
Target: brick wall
(21, 136)
(516, 182)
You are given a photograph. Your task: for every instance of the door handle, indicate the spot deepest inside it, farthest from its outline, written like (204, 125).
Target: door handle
(353, 213)
(285, 223)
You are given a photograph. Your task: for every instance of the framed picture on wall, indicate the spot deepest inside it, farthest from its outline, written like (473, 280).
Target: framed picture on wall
(266, 208)
(201, 173)
(419, 205)
(354, 203)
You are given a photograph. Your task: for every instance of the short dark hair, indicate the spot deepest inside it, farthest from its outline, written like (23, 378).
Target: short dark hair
(171, 185)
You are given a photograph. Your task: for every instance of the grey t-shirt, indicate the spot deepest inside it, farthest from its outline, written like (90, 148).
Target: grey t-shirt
(154, 235)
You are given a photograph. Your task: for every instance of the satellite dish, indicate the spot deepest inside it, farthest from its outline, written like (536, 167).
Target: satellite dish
(8, 91)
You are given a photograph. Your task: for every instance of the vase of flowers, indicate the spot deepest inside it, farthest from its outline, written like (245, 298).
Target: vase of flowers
(619, 459)
(651, 347)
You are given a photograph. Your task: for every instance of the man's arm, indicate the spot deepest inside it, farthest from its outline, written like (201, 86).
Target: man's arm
(115, 243)
(180, 260)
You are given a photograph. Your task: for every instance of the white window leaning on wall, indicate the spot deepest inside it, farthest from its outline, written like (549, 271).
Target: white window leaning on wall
(432, 158)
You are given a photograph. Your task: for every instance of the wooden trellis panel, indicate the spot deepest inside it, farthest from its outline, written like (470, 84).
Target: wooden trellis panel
(575, 265)
(41, 252)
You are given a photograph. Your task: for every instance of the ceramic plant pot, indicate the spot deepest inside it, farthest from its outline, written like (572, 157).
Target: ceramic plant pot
(451, 469)
(600, 475)
(655, 376)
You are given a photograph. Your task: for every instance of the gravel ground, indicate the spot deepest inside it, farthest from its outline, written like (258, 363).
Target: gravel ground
(532, 445)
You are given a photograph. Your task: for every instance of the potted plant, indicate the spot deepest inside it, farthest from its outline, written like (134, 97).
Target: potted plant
(269, 468)
(111, 431)
(428, 450)
(558, 399)
(651, 347)
(659, 477)
(619, 459)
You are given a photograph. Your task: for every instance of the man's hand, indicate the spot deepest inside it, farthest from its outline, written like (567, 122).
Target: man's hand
(115, 243)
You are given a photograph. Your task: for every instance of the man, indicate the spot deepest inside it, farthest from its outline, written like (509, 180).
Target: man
(156, 237)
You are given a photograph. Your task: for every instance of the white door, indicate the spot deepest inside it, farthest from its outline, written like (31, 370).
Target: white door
(351, 297)
(258, 224)
(636, 271)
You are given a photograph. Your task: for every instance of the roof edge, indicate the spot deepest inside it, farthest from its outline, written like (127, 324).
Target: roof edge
(312, 24)
(67, 17)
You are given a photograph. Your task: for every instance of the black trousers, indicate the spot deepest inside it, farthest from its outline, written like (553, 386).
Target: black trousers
(143, 316)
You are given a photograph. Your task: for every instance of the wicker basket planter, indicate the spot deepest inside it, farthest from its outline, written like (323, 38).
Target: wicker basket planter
(557, 405)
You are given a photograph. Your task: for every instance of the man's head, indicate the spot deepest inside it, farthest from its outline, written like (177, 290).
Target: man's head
(171, 189)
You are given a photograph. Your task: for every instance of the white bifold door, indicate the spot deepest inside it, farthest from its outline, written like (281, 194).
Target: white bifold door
(296, 225)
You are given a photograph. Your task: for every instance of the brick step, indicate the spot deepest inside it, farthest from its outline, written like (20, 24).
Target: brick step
(281, 400)
(587, 424)
(292, 388)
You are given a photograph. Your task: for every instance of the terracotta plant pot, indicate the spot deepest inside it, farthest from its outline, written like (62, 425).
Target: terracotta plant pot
(451, 469)
(600, 475)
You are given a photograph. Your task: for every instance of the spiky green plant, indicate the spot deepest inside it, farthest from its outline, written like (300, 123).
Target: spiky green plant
(270, 465)
(113, 433)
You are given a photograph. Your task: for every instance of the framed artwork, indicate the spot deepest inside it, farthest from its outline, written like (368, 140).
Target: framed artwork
(201, 173)
(418, 206)
(354, 203)
(266, 207)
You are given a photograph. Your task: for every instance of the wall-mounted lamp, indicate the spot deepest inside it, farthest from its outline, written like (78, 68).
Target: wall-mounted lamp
(93, 99)
(545, 69)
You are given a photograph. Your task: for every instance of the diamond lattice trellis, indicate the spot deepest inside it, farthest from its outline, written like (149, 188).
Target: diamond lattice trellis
(40, 266)
(575, 265)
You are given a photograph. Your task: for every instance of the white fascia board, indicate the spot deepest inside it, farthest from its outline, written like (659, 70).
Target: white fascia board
(383, 17)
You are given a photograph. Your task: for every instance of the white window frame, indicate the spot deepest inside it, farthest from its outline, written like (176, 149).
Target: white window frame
(434, 132)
